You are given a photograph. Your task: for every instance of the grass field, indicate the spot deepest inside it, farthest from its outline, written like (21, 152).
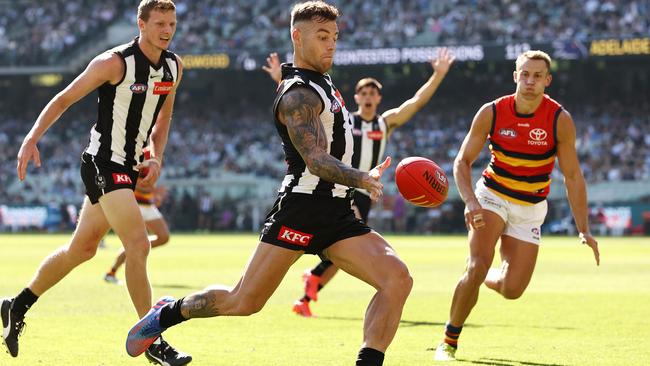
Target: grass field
(573, 313)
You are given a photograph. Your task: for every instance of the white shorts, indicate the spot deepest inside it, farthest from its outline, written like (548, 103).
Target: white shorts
(150, 212)
(523, 222)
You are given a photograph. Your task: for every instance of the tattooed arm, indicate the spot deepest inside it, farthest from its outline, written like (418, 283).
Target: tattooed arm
(299, 110)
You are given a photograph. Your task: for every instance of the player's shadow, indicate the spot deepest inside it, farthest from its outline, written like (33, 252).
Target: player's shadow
(402, 323)
(416, 323)
(174, 286)
(504, 362)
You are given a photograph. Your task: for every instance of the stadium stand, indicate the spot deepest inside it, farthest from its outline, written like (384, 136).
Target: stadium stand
(37, 33)
(215, 144)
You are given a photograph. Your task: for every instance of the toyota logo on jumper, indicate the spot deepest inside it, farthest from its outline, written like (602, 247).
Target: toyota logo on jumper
(538, 137)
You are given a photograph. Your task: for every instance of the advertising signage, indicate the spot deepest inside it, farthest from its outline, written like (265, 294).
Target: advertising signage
(559, 50)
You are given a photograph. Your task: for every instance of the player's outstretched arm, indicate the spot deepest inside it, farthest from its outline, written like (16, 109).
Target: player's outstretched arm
(299, 110)
(103, 68)
(273, 67)
(467, 154)
(398, 116)
(576, 188)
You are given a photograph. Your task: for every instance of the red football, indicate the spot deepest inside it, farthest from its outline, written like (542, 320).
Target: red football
(421, 181)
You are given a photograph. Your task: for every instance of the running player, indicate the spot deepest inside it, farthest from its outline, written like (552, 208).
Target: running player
(312, 213)
(371, 132)
(136, 84)
(148, 198)
(526, 131)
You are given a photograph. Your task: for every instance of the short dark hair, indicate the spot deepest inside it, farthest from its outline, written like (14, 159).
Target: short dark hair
(371, 82)
(317, 10)
(146, 6)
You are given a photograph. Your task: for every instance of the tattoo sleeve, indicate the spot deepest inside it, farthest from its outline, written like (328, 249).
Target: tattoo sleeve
(299, 109)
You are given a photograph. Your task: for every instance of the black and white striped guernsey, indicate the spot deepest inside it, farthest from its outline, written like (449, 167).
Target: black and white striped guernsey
(369, 141)
(337, 122)
(128, 110)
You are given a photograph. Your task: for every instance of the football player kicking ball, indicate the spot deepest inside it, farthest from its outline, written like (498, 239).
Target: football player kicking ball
(312, 213)
(371, 131)
(527, 131)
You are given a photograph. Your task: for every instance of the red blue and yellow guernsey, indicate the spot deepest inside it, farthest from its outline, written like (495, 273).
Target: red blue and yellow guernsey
(523, 148)
(144, 198)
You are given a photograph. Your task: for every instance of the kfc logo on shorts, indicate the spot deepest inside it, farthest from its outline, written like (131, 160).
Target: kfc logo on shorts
(138, 88)
(162, 87)
(294, 237)
(122, 178)
(375, 135)
(538, 137)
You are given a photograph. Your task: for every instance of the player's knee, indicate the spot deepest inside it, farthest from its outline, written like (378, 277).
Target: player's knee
(137, 249)
(82, 253)
(162, 239)
(249, 306)
(512, 292)
(399, 281)
(477, 270)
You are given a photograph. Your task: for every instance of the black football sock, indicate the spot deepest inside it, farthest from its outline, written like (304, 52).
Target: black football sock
(370, 357)
(170, 314)
(25, 299)
(321, 267)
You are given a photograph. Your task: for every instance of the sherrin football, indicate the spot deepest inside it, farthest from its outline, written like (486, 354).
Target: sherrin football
(421, 181)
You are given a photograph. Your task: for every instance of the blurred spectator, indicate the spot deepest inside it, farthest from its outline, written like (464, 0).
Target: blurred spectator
(41, 33)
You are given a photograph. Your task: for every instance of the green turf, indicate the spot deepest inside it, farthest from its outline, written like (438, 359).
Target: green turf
(573, 313)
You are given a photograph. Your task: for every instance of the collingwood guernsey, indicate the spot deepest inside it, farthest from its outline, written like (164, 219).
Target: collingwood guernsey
(369, 142)
(337, 125)
(128, 110)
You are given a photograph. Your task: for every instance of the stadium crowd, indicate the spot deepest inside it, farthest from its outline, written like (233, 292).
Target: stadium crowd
(40, 33)
(613, 145)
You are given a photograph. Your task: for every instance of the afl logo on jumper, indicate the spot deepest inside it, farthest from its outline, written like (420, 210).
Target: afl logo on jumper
(537, 137)
(508, 133)
(139, 88)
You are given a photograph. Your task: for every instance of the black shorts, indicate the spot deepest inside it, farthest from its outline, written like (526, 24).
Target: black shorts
(310, 223)
(363, 203)
(101, 176)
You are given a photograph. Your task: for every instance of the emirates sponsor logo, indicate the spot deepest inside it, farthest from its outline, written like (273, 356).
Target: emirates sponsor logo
(162, 87)
(295, 237)
(375, 135)
(121, 178)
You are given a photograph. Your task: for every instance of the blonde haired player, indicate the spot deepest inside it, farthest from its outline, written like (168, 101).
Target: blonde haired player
(527, 131)
(136, 83)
